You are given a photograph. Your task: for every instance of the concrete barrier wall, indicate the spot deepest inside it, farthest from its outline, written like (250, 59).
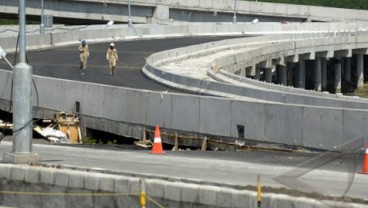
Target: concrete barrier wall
(193, 11)
(98, 33)
(259, 54)
(278, 123)
(101, 188)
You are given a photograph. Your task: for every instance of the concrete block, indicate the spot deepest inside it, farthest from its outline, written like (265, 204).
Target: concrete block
(354, 125)
(48, 176)
(107, 183)
(207, 194)
(215, 116)
(158, 109)
(122, 184)
(89, 97)
(134, 185)
(283, 124)
(62, 178)
(115, 104)
(224, 197)
(251, 116)
(76, 179)
(173, 191)
(322, 128)
(92, 181)
(155, 188)
(78, 90)
(185, 113)
(282, 201)
(125, 186)
(18, 173)
(190, 193)
(243, 199)
(5, 171)
(136, 107)
(33, 174)
(46, 90)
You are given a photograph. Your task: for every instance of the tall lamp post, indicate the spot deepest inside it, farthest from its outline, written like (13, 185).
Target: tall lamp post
(234, 17)
(130, 16)
(42, 26)
(22, 102)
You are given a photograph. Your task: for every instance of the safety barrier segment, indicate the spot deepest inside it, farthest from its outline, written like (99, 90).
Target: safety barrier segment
(142, 191)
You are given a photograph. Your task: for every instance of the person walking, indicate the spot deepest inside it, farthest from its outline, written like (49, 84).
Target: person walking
(112, 58)
(84, 54)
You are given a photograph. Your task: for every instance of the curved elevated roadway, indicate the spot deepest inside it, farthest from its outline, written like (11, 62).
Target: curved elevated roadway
(63, 62)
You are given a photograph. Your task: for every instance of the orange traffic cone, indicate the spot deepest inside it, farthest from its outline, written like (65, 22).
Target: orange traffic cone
(365, 163)
(157, 144)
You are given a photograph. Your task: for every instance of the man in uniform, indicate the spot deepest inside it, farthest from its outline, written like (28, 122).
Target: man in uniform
(84, 54)
(112, 58)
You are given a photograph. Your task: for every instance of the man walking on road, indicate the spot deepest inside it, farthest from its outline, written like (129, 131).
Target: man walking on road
(112, 58)
(84, 54)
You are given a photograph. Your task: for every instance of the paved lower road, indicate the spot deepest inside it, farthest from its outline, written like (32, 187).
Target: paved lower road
(235, 168)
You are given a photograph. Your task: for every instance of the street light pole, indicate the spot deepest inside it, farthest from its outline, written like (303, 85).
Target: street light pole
(130, 16)
(234, 17)
(42, 26)
(22, 102)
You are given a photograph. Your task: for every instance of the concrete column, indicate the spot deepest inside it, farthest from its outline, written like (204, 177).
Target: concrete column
(317, 75)
(248, 71)
(347, 69)
(257, 76)
(324, 74)
(337, 80)
(268, 75)
(360, 70)
(161, 14)
(301, 74)
(282, 75)
(290, 72)
(242, 72)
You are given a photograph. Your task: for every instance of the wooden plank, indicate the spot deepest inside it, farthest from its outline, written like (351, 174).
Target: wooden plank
(6, 126)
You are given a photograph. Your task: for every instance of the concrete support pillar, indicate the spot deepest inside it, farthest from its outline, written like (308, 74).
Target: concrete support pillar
(360, 70)
(317, 75)
(324, 74)
(337, 80)
(242, 72)
(257, 76)
(268, 75)
(161, 14)
(301, 74)
(282, 75)
(248, 71)
(347, 69)
(290, 74)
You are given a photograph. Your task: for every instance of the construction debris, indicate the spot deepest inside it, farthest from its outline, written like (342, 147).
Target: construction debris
(68, 123)
(63, 129)
(52, 135)
(144, 143)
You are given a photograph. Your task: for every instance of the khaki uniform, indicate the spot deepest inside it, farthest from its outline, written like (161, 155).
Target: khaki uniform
(112, 58)
(84, 54)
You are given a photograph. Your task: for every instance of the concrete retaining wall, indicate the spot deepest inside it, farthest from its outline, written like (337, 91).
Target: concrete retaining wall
(64, 187)
(278, 123)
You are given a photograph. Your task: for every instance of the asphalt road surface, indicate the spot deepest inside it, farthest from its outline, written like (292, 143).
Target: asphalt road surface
(63, 62)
